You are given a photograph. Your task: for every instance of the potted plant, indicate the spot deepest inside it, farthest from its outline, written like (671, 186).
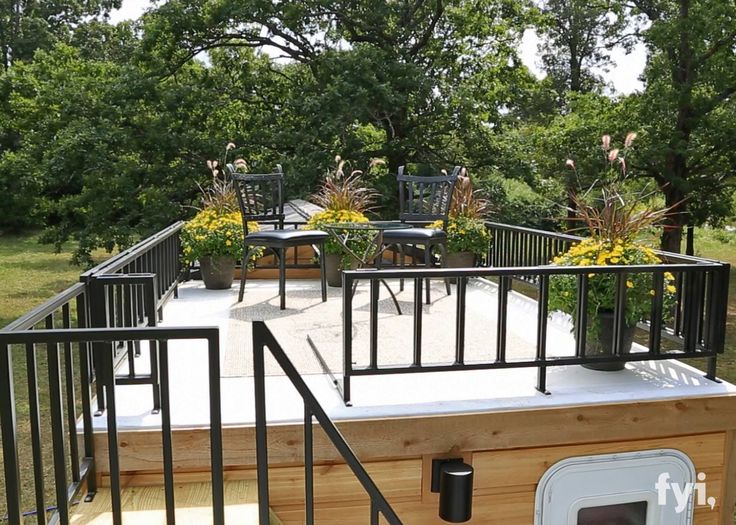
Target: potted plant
(614, 220)
(468, 238)
(345, 199)
(214, 237)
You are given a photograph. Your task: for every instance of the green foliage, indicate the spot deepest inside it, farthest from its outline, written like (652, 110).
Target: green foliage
(513, 201)
(356, 240)
(465, 234)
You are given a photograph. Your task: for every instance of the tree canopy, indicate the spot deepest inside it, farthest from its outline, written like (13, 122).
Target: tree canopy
(105, 129)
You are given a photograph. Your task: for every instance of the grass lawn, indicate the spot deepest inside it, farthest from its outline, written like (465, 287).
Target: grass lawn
(31, 273)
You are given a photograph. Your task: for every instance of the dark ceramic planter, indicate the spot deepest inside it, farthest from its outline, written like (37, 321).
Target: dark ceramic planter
(460, 260)
(603, 343)
(218, 272)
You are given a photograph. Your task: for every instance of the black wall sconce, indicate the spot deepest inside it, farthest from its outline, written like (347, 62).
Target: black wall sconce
(453, 479)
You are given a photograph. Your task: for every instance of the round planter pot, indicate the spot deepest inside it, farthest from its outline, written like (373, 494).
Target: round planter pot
(603, 343)
(218, 272)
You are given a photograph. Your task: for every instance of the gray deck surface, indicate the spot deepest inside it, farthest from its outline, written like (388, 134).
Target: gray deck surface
(382, 396)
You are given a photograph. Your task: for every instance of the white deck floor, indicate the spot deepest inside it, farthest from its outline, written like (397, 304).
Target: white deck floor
(389, 395)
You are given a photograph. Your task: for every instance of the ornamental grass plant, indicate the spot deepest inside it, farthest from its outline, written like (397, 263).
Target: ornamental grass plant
(614, 219)
(466, 230)
(345, 199)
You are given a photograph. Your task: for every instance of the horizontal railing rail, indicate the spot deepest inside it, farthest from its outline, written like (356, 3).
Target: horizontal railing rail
(84, 471)
(699, 319)
(263, 339)
(159, 254)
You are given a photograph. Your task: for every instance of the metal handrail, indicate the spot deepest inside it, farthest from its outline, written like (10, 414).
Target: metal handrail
(38, 314)
(699, 324)
(262, 339)
(125, 257)
(86, 477)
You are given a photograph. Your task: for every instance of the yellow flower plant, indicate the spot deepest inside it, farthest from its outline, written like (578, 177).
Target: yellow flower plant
(211, 233)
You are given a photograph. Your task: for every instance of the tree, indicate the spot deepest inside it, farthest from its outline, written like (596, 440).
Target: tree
(400, 67)
(28, 25)
(577, 37)
(684, 112)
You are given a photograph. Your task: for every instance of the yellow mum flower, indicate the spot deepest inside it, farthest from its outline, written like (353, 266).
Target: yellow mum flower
(629, 284)
(671, 289)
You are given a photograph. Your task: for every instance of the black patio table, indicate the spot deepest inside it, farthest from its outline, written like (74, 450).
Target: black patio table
(342, 232)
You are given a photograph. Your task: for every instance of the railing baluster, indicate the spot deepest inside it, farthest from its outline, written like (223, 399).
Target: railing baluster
(86, 380)
(308, 467)
(418, 312)
(108, 361)
(462, 284)
(9, 430)
(374, 323)
(39, 473)
(168, 452)
(57, 426)
(374, 513)
(71, 401)
(504, 283)
(581, 315)
(259, 382)
(215, 393)
(542, 312)
(347, 334)
(656, 317)
(619, 314)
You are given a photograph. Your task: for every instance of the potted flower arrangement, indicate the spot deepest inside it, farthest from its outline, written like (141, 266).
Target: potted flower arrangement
(468, 238)
(214, 237)
(345, 199)
(614, 221)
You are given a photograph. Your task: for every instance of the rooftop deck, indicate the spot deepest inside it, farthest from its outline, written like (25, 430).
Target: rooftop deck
(397, 395)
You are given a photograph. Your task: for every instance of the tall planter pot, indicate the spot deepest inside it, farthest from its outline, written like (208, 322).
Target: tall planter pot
(333, 270)
(602, 343)
(218, 272)
(460, 260)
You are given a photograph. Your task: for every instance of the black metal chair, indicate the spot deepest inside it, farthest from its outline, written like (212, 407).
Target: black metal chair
(423, 200)
(261, 199)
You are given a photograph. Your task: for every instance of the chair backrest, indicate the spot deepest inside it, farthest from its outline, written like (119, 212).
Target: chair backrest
(425, 199)
(261, 196)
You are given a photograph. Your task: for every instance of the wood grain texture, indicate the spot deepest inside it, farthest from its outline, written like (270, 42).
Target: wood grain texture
(398, 438)
(146, 505)
(727, 500)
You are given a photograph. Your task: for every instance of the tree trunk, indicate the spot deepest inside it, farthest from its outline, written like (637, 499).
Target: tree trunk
(672, 233)
(690, 249)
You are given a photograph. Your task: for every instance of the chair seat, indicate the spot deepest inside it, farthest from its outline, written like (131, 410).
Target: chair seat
(410, 235)
(277, 238)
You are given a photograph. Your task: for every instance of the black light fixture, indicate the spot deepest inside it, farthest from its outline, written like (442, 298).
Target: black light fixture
(453, 479)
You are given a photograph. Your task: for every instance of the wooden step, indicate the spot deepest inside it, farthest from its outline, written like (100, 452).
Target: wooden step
(147, 505)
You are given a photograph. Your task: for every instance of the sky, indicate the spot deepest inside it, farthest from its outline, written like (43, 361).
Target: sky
(624, 76)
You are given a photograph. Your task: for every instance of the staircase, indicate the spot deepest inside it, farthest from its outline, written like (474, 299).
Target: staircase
(147, 505)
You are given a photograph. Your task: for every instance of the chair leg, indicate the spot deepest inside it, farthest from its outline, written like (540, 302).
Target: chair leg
(322, 272)
(427, 263)
(243, 274)
(282, 277)
(443, 255)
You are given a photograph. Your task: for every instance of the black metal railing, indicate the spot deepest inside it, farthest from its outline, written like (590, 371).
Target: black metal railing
(129, 290)
(83, 469)
(698, 326)
(263, 339)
